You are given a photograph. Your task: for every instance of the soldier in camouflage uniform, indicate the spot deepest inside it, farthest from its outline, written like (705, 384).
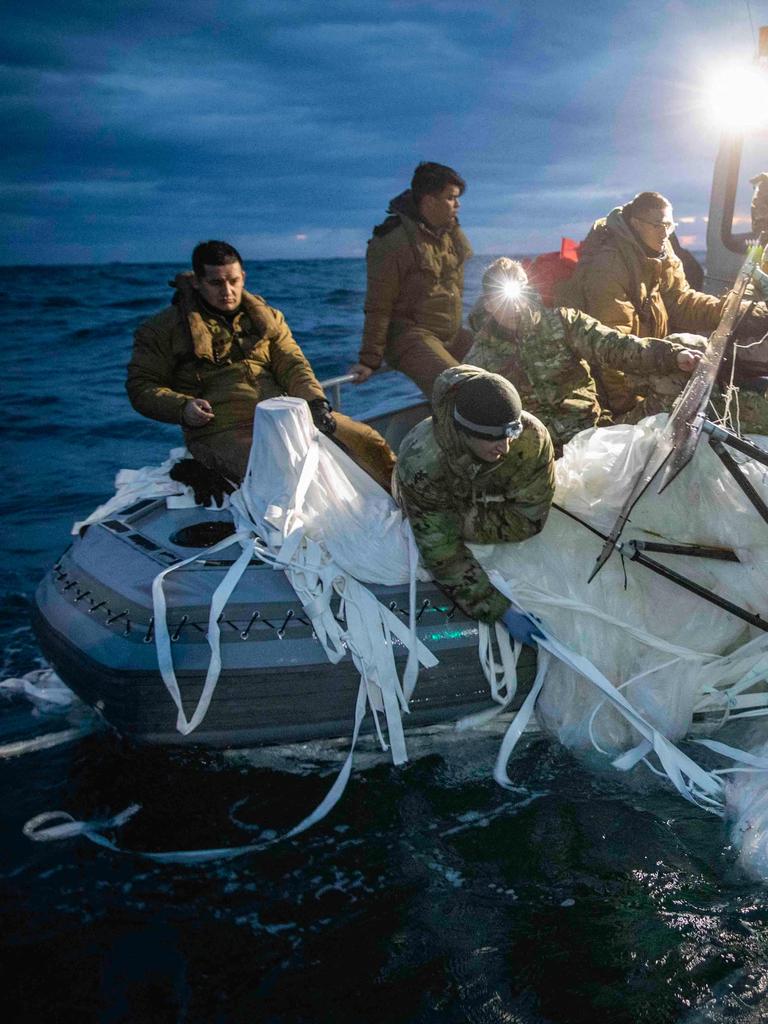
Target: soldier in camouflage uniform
(548, 353)
(478, 470)
(415, 263)
(207, 360)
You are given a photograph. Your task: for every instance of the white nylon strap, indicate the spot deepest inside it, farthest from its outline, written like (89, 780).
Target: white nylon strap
(519, 723)
(163, 639)
(40, 828)
(502, 678)
(411, 674)
(740, 756)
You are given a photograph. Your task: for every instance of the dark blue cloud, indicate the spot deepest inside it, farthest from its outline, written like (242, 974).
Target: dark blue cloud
(130, 133)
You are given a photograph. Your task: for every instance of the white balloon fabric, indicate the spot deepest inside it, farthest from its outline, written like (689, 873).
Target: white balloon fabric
(661, 644)
(632, 659)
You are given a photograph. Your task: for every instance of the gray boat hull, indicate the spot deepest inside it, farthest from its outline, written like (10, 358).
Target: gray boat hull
(93, 619)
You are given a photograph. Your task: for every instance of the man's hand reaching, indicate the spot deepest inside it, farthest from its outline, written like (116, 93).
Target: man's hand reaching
(687, 361)
(361, 372)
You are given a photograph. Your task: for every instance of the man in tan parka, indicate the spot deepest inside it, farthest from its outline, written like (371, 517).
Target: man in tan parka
(415, 264)
(629, 278)
(207, 360)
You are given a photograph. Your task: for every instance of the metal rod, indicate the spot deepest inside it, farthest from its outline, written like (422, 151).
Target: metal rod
(718, 447)
(692, 550)
(707, 595)
(717, 433)
(703, 592)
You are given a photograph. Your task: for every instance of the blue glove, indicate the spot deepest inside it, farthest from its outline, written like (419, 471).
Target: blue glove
(521, 627)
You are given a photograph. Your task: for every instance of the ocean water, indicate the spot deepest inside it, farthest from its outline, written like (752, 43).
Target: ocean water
(428, 895)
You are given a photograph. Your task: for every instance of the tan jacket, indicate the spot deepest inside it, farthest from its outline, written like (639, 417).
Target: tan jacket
(188, 352)
(415, 279)
(622, 286)
(619, 283)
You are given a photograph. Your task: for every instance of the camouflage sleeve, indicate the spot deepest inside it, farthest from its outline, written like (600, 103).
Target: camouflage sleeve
(527, 509)
(289, 365)
(149, 382)
(599, 344)
(688, 310)
(437, 530)
(478, 316)
(383, 288)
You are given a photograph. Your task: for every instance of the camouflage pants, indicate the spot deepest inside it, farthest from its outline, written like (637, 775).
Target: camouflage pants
(420, 355)
(227, 452)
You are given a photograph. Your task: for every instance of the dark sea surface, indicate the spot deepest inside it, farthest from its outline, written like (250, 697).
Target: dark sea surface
(428, 895)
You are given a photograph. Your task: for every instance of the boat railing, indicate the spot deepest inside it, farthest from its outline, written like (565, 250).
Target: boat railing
(335, 384)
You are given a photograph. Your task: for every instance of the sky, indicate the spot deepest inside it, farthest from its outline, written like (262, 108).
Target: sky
(135, 129)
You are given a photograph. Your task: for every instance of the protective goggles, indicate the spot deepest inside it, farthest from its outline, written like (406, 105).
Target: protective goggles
(512, 430)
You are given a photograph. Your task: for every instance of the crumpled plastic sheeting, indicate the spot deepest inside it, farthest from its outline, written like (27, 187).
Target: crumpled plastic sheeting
(43, 688)
(747, 809)
(658, 642)
(131, 485)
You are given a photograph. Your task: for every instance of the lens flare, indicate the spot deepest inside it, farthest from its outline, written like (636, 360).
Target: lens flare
(512, 290)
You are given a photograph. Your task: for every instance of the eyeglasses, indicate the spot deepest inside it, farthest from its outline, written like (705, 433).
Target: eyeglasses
(668, 225)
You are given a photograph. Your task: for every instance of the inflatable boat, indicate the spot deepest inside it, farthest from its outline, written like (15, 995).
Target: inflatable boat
(94, 619)
(94, 614)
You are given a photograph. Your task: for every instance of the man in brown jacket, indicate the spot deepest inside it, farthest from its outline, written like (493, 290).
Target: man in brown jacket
(207, 360)
(415, 264)
(629, 278)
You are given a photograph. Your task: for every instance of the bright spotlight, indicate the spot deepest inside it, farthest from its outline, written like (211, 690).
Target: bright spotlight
(738, 98)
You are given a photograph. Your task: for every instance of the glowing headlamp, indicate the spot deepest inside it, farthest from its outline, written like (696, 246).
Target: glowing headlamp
(512, 290)
(512, 429)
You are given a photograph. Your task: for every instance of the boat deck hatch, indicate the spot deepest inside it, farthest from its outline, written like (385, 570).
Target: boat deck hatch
(203, 535)
(117, 526)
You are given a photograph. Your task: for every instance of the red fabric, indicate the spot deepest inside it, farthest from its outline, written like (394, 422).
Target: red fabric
(548, 269)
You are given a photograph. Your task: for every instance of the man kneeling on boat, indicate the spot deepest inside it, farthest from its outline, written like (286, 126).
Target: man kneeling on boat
(479, 470)
(554, 355)
(207, 360)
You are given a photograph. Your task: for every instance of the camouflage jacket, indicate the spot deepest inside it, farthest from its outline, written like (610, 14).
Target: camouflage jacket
(451, 497)
(187, 352)
(551, 359)
(415, 279)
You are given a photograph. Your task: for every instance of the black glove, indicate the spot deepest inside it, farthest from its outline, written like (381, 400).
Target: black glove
(207, 484)
(322, 415)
